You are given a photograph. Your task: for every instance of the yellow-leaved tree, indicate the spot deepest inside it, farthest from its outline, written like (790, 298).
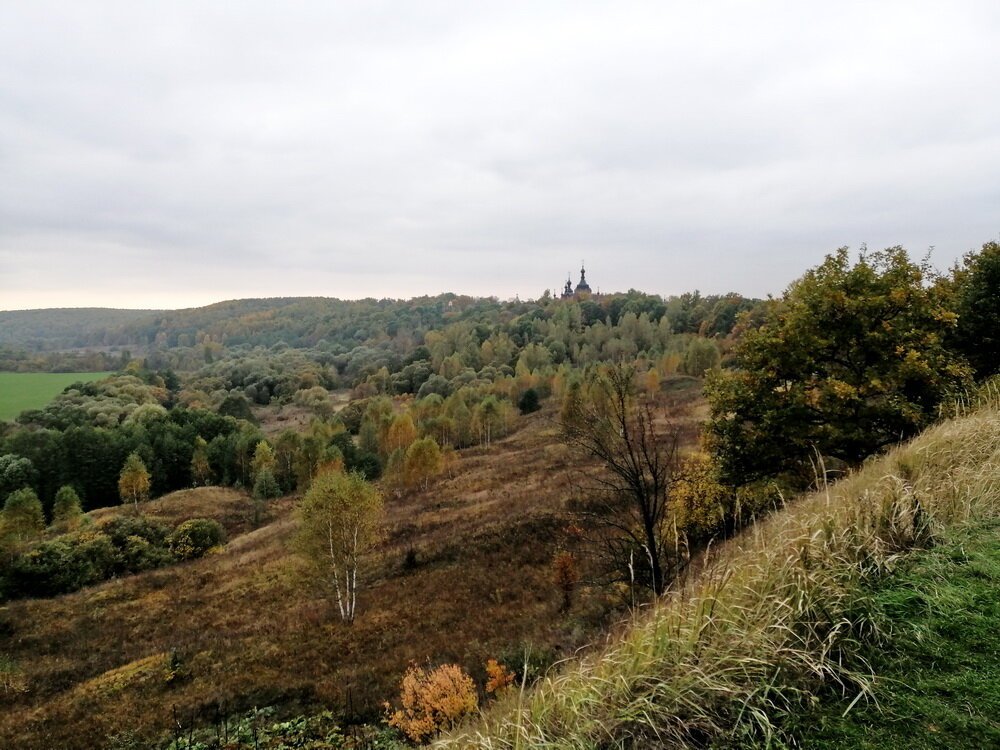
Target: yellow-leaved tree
(133, 482)
(340, 523)
(423, 462)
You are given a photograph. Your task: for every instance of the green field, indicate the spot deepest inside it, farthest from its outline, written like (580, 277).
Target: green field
(33, 390)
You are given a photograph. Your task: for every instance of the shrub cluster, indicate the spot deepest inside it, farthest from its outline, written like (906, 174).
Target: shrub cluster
(120, 546)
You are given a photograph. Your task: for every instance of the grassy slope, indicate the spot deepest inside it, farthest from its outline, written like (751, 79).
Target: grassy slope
(938, 676)
(250, 633)
(21, 391)
(777, 617)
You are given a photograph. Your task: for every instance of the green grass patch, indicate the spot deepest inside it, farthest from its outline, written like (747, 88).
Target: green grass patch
(938, 673)
(20, 391)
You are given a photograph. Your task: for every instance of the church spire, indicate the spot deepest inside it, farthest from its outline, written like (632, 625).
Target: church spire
(583, 286)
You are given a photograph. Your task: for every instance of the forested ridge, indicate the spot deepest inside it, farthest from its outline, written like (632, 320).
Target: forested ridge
(63, 328)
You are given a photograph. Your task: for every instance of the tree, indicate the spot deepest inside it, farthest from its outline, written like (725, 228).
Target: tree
(565, 576)
(400, 434)
(265, 486)
(977, 303)
(201, 469)
(529, 401)
(22, 517)
(237, 405)
(15, 472)
(263, 458)
(636, 443)
(286, 450)
(133, 482)
(850, 360)
(423, 462)
(67, 508)
(702, 355)
(340, 522)
(487, 418)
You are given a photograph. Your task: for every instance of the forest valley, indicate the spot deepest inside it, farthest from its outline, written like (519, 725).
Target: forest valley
(357, 523)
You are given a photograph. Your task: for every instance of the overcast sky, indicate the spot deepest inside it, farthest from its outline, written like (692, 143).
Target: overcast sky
(171, 154)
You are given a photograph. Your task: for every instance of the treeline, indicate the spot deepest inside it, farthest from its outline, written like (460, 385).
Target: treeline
(330, 324)
(64, 328)
(21, 360)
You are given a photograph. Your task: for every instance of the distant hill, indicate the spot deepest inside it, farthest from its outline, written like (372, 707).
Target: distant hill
(296, 321)
(305, 322)
(64, 328)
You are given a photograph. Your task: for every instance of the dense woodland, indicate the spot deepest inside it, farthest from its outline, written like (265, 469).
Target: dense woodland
(856, 355)
(474, 358)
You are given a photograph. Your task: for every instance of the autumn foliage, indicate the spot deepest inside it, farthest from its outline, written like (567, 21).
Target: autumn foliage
(433, 700)
(565, 576)
(498, 677)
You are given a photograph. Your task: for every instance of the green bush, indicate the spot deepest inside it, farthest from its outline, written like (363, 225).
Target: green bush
(98, 552)
(195, 537)
(140, 554)
(49, 569)
(120, 546)
(120, 528)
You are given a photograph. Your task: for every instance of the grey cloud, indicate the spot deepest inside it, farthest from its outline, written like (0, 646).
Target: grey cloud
(213, 150)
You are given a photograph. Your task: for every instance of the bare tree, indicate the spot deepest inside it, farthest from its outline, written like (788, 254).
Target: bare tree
(636, 441)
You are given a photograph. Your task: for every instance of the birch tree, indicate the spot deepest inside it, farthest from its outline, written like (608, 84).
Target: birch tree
(340, 522)
(133, 482)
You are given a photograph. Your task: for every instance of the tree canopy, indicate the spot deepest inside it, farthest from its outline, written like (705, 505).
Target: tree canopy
(851, 359)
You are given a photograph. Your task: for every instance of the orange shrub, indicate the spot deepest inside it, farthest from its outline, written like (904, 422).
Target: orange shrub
(498, 677)
(433, 701)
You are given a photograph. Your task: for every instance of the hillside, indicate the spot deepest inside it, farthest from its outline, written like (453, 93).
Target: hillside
(780, 615)
(465, 575)
(938, 678)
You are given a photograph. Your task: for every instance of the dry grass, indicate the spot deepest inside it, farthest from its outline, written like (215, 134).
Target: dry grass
(250, 633)
(227, 506)
(276, 418)
(769, 620)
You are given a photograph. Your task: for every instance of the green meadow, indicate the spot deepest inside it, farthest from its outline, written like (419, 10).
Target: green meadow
(33, 390)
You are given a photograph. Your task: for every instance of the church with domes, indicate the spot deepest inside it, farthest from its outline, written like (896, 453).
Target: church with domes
(582, 289)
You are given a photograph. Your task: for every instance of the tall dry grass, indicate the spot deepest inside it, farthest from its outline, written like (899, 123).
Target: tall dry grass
(773, 617)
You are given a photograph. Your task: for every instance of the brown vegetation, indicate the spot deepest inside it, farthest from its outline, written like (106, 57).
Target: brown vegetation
(463, 576)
